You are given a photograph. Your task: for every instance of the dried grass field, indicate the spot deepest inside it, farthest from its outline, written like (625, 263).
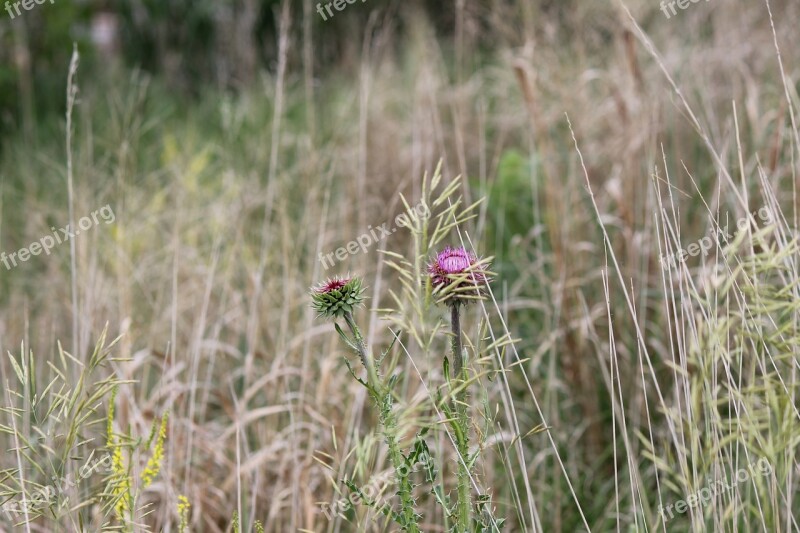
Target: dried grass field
(594, 204)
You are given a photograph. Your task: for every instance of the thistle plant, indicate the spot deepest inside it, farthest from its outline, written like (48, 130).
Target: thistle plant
(451, 279)
(336, 299)
(458, 277)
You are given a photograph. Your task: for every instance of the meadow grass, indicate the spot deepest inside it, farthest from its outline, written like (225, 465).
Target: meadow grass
(604, 389)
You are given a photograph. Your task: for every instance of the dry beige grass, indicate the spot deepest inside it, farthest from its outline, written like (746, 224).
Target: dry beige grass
(221, 215)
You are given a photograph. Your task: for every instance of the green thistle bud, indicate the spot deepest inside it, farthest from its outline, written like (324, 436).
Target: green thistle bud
(337, 297)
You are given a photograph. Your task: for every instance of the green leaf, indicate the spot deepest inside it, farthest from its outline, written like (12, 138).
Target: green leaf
(395, 335)
(17, 369)
(345, 338)
(353, 373)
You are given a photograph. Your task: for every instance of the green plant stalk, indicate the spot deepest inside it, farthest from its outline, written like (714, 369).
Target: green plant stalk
(458, 350)
(389, 422)
(382, 397)
(366, 358)
(464, 502)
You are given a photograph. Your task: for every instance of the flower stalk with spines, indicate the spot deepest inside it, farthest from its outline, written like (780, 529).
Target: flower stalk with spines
(458, 277)
(373, 376)
(337, 298)
(464, 501)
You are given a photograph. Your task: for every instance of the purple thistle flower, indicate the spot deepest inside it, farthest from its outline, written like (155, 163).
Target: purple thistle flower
(335, 283)
(457, 275)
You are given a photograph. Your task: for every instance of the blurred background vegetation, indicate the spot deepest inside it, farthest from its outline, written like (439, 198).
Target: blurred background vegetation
(238, 139)
(191, 44)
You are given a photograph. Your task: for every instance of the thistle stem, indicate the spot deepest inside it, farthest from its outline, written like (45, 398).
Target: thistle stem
(404, 487)
(458, 350)
(382, 397)
(366, 358)
(464, 502)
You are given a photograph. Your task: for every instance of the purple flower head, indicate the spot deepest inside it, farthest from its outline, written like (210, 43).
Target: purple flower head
(458, 275)
(333, 284)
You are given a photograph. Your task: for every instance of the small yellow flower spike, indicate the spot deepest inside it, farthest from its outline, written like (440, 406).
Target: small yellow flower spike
(110, 421)
(183, 513)
(122, 484)
(154, 463)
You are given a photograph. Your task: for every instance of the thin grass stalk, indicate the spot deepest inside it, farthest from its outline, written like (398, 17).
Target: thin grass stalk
(72, 93)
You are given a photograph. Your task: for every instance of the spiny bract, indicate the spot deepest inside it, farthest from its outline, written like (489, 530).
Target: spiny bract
(337, 297)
